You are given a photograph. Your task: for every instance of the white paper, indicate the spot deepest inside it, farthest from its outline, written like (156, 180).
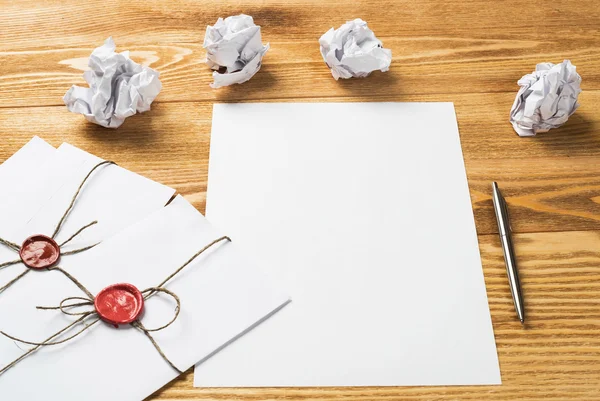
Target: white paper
(366, 219)
(112, 196)
(352, 50)
(119, 88)
(547, 98)
(24, 183)
(222, 296)
(234, 45)
(31, 155)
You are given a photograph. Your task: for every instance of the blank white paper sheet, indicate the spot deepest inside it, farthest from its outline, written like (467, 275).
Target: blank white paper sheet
(362, 212)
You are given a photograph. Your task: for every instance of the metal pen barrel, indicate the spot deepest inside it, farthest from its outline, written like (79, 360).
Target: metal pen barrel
(512, 272)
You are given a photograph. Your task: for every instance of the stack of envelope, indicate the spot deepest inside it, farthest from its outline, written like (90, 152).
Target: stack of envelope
(143, 234)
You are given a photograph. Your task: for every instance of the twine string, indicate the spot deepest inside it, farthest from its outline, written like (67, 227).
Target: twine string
(14, 280)
(154, 290)
(12, 262)
(77, 233)
(64, 307)
(9, 244)
(17, 248)
(75, 251)
(64, 340)
(190, 260)
(75, 281)
(137, 324)
(32, 350)
(70, 207)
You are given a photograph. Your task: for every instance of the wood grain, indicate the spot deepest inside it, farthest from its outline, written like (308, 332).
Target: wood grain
(470, 52)
(468, 46)
(555, 357)
(552, 182)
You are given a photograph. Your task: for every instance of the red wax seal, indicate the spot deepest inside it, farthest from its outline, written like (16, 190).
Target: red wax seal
(39, 252)
(119, 304)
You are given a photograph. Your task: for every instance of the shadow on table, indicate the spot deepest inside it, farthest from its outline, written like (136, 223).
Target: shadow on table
(139, 130)
(368, 89)
(577, 137)
(250, 90)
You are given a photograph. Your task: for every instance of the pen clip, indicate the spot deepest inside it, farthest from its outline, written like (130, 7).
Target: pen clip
(501, 209)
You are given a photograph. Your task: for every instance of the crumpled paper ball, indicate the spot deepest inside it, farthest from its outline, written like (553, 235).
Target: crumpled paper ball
(547, 98)
(119, 88)
(234, 48)
(352, 50)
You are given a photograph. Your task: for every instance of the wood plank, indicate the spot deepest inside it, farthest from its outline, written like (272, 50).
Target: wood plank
(552, 182)
(169, 144)
(74, 22)
(452, 48)
(470, 52)
(554, 357)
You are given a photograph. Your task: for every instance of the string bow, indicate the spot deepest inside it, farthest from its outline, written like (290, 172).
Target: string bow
(126, 304)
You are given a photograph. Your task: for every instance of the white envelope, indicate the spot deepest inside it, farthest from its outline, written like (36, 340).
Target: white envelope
(31, 155)
(222, 297)
(112, 195)
(362, 210)
(22, 182)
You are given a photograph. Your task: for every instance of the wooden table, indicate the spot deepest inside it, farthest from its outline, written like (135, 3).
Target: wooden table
(469, 52)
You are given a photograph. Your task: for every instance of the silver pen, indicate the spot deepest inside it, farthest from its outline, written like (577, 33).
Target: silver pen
(507, 248)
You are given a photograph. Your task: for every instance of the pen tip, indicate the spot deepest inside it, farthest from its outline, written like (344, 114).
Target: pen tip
(522, 321)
